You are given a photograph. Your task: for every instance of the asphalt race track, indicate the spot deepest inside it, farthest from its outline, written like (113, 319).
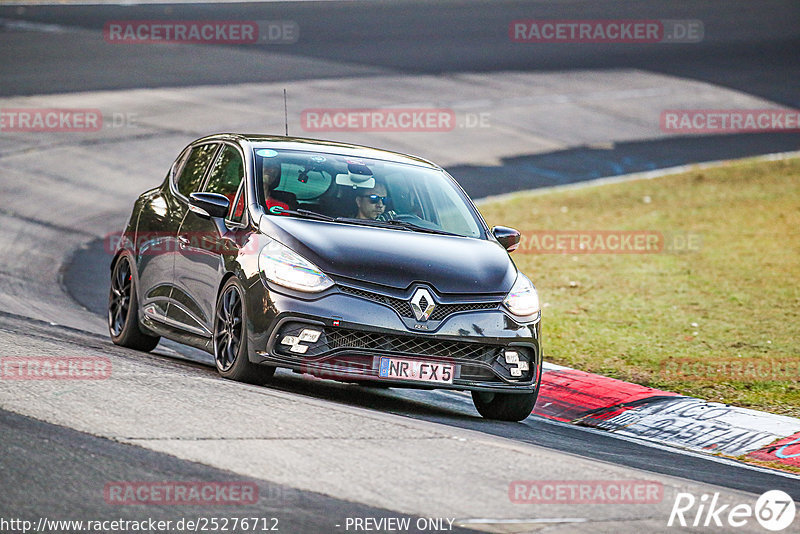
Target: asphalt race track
(320, 452)
(747, 46)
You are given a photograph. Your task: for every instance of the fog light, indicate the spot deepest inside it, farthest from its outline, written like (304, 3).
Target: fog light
(310, 335)
(517, 365)
(512, 356)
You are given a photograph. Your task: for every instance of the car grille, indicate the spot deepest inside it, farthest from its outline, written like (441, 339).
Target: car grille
(479, 361)
(403, 307)
(354, 339)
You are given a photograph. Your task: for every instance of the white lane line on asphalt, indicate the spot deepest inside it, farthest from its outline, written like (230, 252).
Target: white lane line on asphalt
(547, 366)
(484, 521)
(674, 448)
(25, 25)
(67, 3)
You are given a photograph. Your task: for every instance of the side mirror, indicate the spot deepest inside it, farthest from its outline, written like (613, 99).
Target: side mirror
(508, 237)
(209, 205)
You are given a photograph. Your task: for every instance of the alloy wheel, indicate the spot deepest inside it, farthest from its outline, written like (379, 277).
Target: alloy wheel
(228, 328)
(119, 304)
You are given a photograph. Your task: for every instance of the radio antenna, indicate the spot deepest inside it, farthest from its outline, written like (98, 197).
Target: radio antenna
(285, 113)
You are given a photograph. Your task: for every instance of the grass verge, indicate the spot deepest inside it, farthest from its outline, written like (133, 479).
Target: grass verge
(712, 310)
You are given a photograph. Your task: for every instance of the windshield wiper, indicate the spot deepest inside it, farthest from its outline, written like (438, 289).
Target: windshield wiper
(308, 214)
(412, 226)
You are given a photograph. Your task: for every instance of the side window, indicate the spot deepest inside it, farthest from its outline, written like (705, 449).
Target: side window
(226, 177)
(192, 174)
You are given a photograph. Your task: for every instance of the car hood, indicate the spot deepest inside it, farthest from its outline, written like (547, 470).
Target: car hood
(397, 258)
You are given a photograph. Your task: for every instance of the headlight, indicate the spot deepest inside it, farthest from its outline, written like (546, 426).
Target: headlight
(522, 300)
(284, 267)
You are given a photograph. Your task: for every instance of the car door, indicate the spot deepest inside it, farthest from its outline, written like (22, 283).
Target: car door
(159, 221)
(206, 246)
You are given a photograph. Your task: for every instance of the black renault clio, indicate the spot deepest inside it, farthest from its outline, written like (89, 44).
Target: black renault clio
(338, 260)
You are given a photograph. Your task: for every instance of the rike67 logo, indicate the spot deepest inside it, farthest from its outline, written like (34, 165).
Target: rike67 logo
(774, 510)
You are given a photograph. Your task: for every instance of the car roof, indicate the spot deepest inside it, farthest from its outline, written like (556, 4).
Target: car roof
(317, 145)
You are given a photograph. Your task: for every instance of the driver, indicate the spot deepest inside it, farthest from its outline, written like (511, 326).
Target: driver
(271, 178)
(371, 203)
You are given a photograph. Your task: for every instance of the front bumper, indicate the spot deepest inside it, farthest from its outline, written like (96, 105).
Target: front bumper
(355, 329)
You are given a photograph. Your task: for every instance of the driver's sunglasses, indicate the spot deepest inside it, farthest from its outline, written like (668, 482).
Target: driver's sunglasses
(375, 198)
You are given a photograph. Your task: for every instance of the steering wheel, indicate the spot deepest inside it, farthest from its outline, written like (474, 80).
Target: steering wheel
(417, 221)
(407, 217)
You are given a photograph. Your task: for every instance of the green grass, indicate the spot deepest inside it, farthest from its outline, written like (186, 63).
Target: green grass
(627, 315)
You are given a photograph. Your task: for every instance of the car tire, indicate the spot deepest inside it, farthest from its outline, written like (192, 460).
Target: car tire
(230, 338)
(504, 406)
(123, 310)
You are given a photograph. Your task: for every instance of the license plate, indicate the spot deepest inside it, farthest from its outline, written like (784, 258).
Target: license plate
(441, 373)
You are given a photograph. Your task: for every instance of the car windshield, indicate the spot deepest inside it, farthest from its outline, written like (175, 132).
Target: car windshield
(362, 191)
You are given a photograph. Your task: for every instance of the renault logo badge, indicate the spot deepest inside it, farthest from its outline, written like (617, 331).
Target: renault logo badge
(422, 304)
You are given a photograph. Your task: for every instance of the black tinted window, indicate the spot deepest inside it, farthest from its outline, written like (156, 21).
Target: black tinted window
(194, 169)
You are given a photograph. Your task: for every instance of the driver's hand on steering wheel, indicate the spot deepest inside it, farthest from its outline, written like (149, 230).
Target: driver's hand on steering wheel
(387, 216)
